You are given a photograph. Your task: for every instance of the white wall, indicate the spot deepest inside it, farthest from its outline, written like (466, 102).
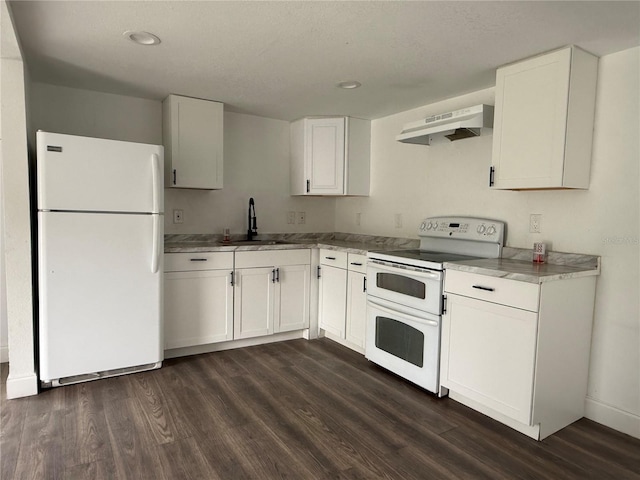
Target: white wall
(420, 181)
(22, 379)
(256, 164)
(4, 323)
(94, 114)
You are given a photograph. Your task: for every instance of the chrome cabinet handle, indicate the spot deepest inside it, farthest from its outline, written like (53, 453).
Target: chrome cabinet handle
(357, 264)
(330, 258)
(318, 271)
(486, 289)
(197, 259)
(278, 275)
(232, 278)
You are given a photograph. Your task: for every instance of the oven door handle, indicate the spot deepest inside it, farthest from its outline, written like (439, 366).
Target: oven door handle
(408, 271)
(399, 312)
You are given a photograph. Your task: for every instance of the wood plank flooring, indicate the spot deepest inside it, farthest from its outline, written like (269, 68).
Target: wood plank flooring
(295, 410)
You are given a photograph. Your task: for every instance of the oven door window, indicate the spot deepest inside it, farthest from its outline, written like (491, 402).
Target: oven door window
(401, 284)
(400, 340)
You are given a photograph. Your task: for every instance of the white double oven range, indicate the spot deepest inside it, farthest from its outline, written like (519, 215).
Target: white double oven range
(405, 294)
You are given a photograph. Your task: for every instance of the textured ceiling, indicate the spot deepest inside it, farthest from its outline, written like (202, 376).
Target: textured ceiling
(283, 59)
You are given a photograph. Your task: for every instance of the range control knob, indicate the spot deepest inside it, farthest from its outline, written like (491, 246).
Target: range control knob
(423, 227)
(435, 225)
(481, 229)
(491, 230)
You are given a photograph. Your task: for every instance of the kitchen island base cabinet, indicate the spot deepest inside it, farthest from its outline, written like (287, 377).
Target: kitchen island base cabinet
(198, 299)
(523, 364)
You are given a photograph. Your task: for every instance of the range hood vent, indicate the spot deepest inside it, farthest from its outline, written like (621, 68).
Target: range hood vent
(464, 123)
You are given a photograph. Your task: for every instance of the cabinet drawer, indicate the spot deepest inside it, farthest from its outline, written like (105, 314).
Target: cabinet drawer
(357, 263)
(334, 258)
(493, 289)
(273, 258)
(186, 262)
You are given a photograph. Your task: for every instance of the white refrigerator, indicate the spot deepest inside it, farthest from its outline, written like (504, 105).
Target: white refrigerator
(100, 242)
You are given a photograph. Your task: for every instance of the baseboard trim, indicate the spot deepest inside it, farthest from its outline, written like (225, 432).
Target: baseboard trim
(23, 386)
(246, 342)
(344, 342)
(612, 417)
(4, 353)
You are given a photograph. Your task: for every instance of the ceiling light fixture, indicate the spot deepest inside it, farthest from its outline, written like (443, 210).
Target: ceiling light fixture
(349, 84)
(142, 38)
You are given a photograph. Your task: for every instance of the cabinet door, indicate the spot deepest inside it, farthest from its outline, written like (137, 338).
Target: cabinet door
(531, 122)
(324, 155)
(356, 308)
(198, 308)
(292, 298)
(333, 300)
(193, 139)
(488, 354)
(253, 302)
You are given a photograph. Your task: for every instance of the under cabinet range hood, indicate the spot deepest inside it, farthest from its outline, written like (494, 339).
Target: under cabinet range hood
(463, 123)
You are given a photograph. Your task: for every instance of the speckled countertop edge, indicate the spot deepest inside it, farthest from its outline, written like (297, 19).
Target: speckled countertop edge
(515, 263)
(526, 271)
(350, 243)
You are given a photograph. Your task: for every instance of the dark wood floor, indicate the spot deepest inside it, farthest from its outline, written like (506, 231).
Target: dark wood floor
(297, 410)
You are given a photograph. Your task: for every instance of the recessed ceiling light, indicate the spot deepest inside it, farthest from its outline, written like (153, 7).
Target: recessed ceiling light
(142, 38)
(349, 84)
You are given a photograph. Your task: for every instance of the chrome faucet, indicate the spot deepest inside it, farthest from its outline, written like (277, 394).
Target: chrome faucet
(253, 225)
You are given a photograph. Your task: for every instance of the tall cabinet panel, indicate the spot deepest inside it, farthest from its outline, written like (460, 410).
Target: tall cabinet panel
(192, 134)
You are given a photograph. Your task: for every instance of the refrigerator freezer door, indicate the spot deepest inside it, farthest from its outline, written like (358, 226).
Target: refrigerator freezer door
(100, 299)
(97, 175)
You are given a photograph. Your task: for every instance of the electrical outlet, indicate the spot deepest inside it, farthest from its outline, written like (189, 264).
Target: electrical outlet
(291, 218)
(534, 222)
(398, 220)
(358, 218)
(302, 217)
(178, 216)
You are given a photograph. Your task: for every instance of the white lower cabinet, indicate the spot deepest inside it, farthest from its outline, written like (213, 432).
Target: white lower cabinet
(271, 292)
(198, 299)
(517, 351)
(356, 308)
(292, 298)
(253, 302)
(492, 354)
(342, 297)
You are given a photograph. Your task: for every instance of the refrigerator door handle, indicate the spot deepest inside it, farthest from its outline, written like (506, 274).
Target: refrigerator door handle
(155, 173)
(155, 243)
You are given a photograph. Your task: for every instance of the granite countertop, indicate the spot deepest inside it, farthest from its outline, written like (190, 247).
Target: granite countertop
(525, 271)
(350, 243)
(515, 263)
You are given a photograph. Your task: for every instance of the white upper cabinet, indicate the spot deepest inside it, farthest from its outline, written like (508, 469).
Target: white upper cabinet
(192, 132)
(543, 127)
(330, 156)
